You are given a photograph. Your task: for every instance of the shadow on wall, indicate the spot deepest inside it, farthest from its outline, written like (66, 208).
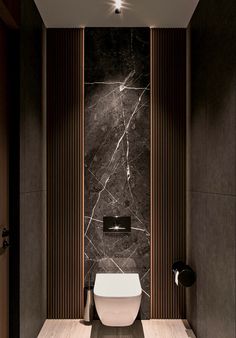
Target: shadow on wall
(101, 331)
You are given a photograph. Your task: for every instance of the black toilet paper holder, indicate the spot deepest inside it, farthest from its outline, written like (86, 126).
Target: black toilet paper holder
(184, 274)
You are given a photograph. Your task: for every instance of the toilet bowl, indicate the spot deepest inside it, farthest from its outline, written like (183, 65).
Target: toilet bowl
(117, 298)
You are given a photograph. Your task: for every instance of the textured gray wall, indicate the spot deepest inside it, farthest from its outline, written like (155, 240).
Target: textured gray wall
(212, 170)
(117, 152)
(32, 174)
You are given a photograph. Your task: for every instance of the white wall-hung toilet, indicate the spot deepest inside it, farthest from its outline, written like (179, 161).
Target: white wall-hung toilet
(117, 298)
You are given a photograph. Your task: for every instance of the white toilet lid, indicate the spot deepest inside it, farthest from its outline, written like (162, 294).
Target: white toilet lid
(117, 285)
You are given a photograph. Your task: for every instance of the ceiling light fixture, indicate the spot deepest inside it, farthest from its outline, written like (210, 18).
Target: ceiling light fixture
(118, 6)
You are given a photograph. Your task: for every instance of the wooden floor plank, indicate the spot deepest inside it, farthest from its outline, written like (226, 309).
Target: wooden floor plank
(164, 329)
(65, 329)
(144, 329)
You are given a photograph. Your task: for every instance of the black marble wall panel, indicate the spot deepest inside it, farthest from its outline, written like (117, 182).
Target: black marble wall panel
(211, 235)
(117, 152)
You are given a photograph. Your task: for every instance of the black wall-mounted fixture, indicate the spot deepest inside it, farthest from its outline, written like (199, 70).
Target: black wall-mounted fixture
(115, 224)
(4, 233)
(184, 275)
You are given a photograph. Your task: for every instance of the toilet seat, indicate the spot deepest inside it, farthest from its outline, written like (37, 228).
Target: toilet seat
(117, 285)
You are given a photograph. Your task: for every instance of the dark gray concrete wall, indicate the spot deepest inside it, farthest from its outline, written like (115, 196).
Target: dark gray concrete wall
(211, 234)
(32, 173)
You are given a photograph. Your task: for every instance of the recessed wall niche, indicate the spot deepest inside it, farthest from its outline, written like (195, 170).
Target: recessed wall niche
(117, 152)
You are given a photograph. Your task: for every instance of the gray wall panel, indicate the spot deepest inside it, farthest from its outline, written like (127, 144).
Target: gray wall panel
(211, 307)
(32, 173)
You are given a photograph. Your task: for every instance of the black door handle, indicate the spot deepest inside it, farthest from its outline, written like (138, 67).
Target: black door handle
(5, 244)
(5, 233)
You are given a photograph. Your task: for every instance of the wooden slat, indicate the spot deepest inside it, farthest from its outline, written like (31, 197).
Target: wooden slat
(168, 174)
(65, 163)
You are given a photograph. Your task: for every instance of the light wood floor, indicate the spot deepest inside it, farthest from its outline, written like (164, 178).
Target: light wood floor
(144, 329)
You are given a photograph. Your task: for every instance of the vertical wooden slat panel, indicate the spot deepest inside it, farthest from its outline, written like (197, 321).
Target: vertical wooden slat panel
(168, 153)
(65, 159)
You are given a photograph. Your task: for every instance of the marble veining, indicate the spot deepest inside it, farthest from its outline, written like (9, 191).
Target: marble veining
(117, 152)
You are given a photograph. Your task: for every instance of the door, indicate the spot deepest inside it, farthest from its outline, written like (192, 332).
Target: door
(4, 190)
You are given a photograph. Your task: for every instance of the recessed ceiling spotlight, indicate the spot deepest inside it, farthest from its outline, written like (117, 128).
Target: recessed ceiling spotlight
(118, 6)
